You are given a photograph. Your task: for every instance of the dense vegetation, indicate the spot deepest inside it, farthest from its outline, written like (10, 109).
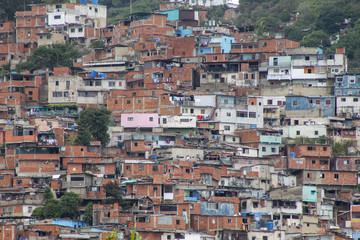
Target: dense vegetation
(57, 55)
(93, 126)
(66, 207)
(317, 21)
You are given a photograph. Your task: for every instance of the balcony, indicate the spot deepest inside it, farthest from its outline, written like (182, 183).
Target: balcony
(275, 115)
(279, 77)
(270, 139)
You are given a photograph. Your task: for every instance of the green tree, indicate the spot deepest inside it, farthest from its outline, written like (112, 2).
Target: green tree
(97, 44)
(69, 204)
(113, 193)
(351, 42)
(329, 19)
(52, 209)
(268, 25)
(316, 39)
(50, 57)
(48, 194)
(38, 213)
(93, 125)
(88, 215)
(294, 33)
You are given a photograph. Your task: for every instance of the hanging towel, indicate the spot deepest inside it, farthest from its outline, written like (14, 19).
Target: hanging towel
(93, 73)
(102, 75)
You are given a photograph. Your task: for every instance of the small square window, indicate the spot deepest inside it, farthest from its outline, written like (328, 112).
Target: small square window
(141, 167)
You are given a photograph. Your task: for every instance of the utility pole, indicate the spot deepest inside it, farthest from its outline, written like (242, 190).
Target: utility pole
(130, 6)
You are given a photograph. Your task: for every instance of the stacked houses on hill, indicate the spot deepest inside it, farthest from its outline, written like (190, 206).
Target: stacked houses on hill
(213, 135)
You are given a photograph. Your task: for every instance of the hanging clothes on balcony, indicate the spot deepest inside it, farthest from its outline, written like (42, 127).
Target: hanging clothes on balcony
(200, 117)
(93, 73)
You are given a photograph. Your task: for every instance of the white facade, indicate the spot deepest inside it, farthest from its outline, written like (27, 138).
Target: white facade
(178, 121)
(252, 116)
(63, 88)
(309, 131)
(205, 100)
(348, 104)
(246, 151)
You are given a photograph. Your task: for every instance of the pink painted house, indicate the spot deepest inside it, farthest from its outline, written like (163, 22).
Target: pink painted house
(139, 120)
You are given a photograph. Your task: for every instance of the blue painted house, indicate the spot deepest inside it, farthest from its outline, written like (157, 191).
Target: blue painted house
(347, 85)
(298, 103)
(309, 194)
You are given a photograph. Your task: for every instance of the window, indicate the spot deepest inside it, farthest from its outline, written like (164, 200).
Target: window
(177, 222)
(346, 162)
(187, 170)
(324, 148)
(151, 119)
(273, 150)
(322, 175)
(263, 149)
(242, 114)
(128, 167)
(202, 111)
(228, 114)
(269, 102)
(72, 30)
(336, 176)
(313, 161)
(317, 102)
(229, 220)
(227, 128)
(136, 144)
(66, 94)
(309, 175)
(298, 133)
(252, 114)
(265, 238)
(139, 101)
(294, 103)
(324, 162)
(57, 17)
(141, 167)
(56, 83)
(57, 94)
(155, 168)
(327, 102)
(130, 119)
(316, 132)
(246, 76)
(307, 58)
(355, 99)
(30, 92)
(311, 148)
(357, 161)
(343, 99)
(111, 84)
(128, 101)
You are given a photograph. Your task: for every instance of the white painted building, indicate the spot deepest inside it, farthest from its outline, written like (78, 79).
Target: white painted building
(178, 121)
(348, 105)
(309, 131)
